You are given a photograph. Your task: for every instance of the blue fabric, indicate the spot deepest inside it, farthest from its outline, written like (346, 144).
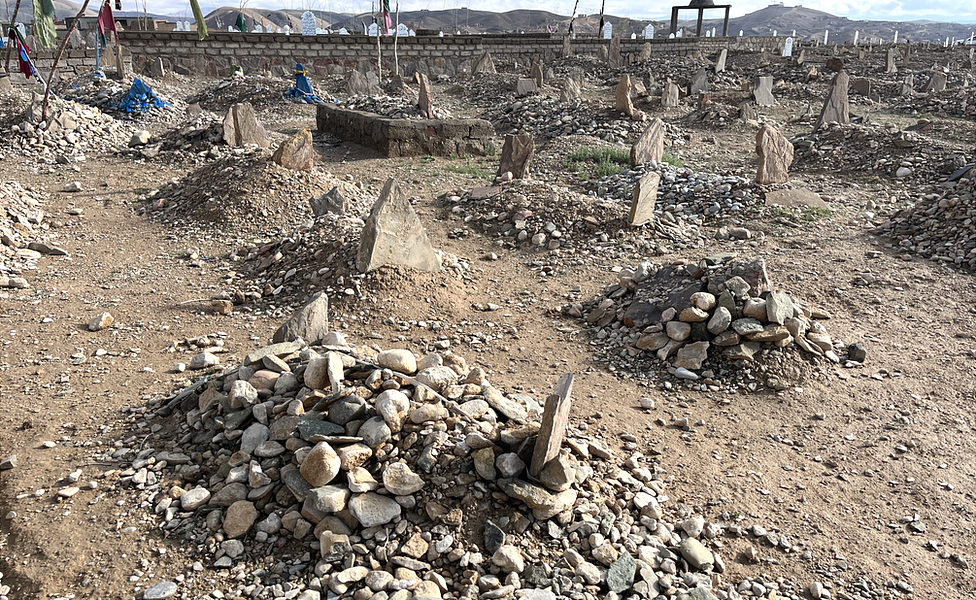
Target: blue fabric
(303, 91)
(141, 98)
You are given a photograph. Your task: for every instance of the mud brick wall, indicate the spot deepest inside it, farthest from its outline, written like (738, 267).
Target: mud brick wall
(406, 137)
(324, 54)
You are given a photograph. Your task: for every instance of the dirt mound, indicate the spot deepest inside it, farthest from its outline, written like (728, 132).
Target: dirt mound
(113, 97)
(258, 90)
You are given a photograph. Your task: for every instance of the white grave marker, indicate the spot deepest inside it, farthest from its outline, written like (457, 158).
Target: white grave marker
(826, 34)
(402, 30)
(343, 31)
(670, 36)
(607, 31)
(788, 47)
(287, 29)
(440, 34)
(258, 29)
(308, 23)
(231, 28)
(373, 29)
(856, 35)
(708, 33)
(774, 33)
(413, 33)
(895, 41)
(740, 33)
(179, 26)
(713, 32)
(633, 36)
(649, 32)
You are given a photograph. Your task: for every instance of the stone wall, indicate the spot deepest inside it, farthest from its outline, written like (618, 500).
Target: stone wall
(406, 137)
(323, 54)
(73, 62)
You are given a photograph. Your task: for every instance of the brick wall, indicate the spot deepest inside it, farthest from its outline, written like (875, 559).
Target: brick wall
(323, 54)
(73, 62)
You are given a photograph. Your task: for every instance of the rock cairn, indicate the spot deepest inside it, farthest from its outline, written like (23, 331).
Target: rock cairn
(550, 118)
(375, 474)
(70, 130)
(392, 107)
(107, 94)
(939, 225)
(23, 233)
(198, 140)
(697, 319)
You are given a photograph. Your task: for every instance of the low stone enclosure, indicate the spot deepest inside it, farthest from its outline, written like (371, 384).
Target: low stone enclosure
(406, 137)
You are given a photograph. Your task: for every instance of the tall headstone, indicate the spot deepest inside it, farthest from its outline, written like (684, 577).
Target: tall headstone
(241, 127)
(895, 39)
(699, 82)
(308, 23)
(614, 53)
(741, 32)
(179, 26)
(890, 61)
(484, 64)
(908, 86)
(788, 47)
(516, 155)
(720, 61)
(394, 235)
(633, 36)
(555, 420)
(119, 62)
(258, 29)
(186, 26)
(607, 31)
(536, 73)
(650, 145)
(856, 34)
(649, 32)
(762, 91)
(670, 95)
(837, 106)
(826, 35)
(775, 156)
(425, 100)
(774, 33)
(645, 199)
(623, 103)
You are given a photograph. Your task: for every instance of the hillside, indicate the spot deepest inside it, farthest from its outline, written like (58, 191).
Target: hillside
(62, 10)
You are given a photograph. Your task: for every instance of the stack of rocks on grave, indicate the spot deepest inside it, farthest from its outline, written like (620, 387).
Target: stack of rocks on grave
(371, 466)
(728, 309)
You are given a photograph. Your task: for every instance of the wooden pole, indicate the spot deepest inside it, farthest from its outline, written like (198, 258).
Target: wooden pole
(379, 54)
(57, 58)
(396, 34)
(10, 47)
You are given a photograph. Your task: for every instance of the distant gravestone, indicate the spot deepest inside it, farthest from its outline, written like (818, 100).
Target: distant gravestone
(908, 86)
(775, 156)
(394, 235)
(373, 30)
(861, 86)
(525, 87)
(826, 35)
(633, 36)
(258, 29)
(241, 127)
(835, 64)
(699, 83)
(413, 33)
(890, 61)
(484, 64)
(670, 95)
(119, 63)
(536, 73)
(516, 155)
(856, 35)
(613, 56)
(800, 58)
(645, 53)
(720, 61)
(740, 33)
(402, 30)
(649, 32)
(607, 31)
(645, 199)
(936, 82)
(179, 26)
(567, 49)
(650, 145)
(762, 91)
(623, 103)
(837, 107)
(308, 23)
(343, 31)
(788, 47)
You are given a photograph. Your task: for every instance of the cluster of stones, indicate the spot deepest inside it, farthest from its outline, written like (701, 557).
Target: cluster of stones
(409, 477)
(259, 91)
(939, 225)
(107, 94)
(551, 118)
(722, 308)
(69, 131)
(23, 234)
(198, 140)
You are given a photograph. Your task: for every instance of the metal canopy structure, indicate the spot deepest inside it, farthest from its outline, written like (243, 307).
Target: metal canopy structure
(701, 6)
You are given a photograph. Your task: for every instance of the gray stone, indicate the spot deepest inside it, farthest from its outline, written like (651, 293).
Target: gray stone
(329, 498)
(720, 60)
(536, 74)
(254, 436)
(140, 138)
(525, 87)
(699, 83)
(425, 100)
(555, 419)
(358, 85)
(194, 498)
(936, 83)
(375, 432)
(762, 91)
(544, 504)
(645, 199)
(779, 307)
(720, 321)
(333, 202)
(393, 406)
(373, 510)
(310, 323)
(394, 235)
(160, 591)
(691, 356)
(698, 593)
(649, 146)
(560, 473)
(697, 555)
(613, 53)
(399, 480)
(837, 107)
(241, 127)
(239, 519)
(349, 408)
(483, 64)
(620, 575)
(494, 536)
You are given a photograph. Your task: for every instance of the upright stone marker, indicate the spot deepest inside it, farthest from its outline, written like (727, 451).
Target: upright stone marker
(402, 30)
(775, 156)
(536, 73)
(241, 127)
(699, 83)
(567, 49)
(614, 53)
(308, 23)
(788, 47)
(908, 87)
(373, 30)
(623, 103)
(650, 145)
(394, 235)
(607, 31)
(723, 55)
(120, 62)
(645, 199)
(649, 32)
(670, 96)
(762, 91)
(555, 419)
(936, 83)
(425, 101)
(890, 61)
(837, 107)
(484, 64)
(516, 155)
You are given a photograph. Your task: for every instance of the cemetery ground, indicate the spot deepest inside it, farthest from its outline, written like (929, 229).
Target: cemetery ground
(867, 470)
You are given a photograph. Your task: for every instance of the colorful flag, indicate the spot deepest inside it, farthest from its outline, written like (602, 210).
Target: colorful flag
(106, 21)
(387, 21)
(26, 66)
(241, 25)
(198, 16)
(47, 37)
(118, 4)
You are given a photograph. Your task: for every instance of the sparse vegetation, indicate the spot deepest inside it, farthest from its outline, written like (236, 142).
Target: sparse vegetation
(606, 160)
(672, 160)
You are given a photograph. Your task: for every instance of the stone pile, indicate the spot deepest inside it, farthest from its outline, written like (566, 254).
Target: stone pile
(198, 140)
(550, 118)
(391, 107)
(487, 89)
(70, 130)
(378, 474)
(24, 234)
(258, 91)
(701, 321)
(107, 94)
(245, 187)
(939, 225)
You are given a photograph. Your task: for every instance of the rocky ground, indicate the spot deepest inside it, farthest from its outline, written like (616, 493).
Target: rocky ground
(153, 454)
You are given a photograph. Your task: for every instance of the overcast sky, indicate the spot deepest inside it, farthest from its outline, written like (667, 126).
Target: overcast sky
(960, 11)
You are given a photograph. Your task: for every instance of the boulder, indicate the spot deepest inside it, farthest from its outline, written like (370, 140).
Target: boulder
(775, 156)
(241, 127)
(296, 153)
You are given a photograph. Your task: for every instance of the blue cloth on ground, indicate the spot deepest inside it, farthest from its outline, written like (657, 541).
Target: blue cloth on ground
(303, 88)
(141, 98)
